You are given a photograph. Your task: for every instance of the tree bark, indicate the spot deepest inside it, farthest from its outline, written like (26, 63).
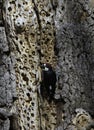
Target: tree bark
(75, 58)
(7, 78)
(30, 32)
(56, 32)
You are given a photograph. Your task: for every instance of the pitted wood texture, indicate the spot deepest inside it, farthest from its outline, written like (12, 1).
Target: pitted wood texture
(30, 32)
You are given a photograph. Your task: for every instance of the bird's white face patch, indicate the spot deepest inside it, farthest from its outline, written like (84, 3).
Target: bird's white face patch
(50, 87)
(46, 69)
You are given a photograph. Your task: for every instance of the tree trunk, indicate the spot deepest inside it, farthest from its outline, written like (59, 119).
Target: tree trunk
(30, 33)
(7, 79)
(56, 32)
(75, 47)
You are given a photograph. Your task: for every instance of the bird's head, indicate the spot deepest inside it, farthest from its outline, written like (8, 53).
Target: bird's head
(46, 66)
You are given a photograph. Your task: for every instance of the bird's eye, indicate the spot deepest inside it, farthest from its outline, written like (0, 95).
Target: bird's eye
(44, 64)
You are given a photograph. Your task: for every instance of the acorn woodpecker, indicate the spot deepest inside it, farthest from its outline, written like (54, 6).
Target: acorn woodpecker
(48, 83)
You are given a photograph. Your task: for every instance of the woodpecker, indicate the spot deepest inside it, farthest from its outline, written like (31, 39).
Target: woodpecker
(48, 83)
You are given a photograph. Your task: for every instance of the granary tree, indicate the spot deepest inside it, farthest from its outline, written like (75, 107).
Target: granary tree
(55, 32)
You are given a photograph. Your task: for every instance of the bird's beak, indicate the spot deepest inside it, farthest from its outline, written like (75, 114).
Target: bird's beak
(41, 65)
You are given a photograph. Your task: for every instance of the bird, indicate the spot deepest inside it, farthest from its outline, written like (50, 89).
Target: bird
(48, 83)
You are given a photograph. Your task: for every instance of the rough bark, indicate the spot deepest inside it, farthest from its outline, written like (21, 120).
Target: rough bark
(37, 31)
(30, 32)
(7, 78)
(75, 58)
